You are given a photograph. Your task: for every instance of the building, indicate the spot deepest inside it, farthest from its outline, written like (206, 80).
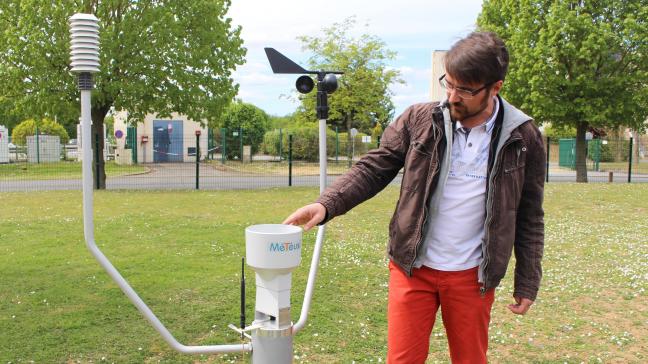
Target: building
(437, 93)
(158, 140)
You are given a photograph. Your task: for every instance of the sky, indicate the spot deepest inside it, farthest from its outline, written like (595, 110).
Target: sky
(412, 28)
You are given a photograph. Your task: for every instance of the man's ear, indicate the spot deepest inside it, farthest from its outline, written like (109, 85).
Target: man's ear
(497, 86)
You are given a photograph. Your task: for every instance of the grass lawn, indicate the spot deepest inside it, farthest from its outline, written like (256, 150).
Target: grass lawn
(641, 167)
(299, 168)
(181, 252)
(59, 170)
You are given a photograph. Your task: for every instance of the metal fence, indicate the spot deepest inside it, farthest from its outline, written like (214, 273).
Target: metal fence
(228, 160)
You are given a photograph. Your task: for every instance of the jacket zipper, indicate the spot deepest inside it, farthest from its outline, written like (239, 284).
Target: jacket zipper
(489, 212)
(425, 207)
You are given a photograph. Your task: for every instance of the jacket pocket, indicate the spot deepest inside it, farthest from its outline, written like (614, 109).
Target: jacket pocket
(419, 147)
(417, 165)
(516, 160)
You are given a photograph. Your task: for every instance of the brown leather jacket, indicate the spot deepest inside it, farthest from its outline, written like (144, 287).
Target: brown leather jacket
(416, 142)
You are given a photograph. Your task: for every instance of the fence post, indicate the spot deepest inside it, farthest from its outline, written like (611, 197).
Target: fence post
(241, 142)
(548, 148)
(290, 159)
(37, 146)
(630, 161)
(337, 144)
(223, 145)
(97, 161)
(197, 159)
(280, 144)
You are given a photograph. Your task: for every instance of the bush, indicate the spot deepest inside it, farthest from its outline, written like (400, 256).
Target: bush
(45, 126)
(306, 143)
(613, 151)
(253, 122)
(559, 132)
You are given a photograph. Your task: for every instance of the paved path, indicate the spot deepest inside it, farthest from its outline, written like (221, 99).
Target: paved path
(182, 176)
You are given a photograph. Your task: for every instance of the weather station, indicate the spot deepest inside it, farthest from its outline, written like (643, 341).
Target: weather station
(273, 251)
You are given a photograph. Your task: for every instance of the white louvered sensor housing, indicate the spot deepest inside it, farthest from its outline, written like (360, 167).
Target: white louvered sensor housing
(84, 45)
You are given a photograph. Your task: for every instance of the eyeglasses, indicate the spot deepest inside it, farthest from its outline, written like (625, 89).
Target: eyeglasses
(464, 93)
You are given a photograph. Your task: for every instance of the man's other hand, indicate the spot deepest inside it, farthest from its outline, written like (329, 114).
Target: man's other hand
(309, 216)
(521, 306)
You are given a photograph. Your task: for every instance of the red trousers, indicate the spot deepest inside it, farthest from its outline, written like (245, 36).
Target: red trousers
(411, 311)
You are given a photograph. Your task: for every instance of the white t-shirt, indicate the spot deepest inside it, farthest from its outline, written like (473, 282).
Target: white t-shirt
(455, 232)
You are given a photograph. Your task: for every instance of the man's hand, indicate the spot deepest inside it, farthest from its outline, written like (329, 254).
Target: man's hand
(521, 307)
(309, 216)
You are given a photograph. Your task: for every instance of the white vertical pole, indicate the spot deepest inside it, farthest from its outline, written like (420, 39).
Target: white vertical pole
(312, 274)
(86, 132)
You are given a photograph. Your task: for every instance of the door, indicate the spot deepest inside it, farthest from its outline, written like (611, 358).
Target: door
(167, 141)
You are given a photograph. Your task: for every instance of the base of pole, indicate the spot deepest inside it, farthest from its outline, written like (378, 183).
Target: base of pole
(272, 346)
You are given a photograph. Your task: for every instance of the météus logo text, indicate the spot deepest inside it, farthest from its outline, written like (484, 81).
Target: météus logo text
(285, 246)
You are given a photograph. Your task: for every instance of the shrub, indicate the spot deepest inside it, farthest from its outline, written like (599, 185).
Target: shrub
(253, 122)
(612, 151)
(305, 142)
(45, 126)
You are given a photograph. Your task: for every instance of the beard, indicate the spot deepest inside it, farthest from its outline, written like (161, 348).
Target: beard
(459, 111)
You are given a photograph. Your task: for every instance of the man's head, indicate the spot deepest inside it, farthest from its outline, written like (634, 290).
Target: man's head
(475, 70)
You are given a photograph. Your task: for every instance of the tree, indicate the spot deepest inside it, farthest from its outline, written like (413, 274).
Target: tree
(249, 119)
(363, 97)
(45, 126)
(157, 56)
(575, 63)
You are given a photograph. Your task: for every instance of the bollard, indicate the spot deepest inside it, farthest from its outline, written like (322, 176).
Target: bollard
(611, 177)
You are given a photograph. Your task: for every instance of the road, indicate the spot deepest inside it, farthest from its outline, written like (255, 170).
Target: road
(181, 176)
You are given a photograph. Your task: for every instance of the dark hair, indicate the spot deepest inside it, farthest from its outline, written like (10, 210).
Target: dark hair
(481, 57)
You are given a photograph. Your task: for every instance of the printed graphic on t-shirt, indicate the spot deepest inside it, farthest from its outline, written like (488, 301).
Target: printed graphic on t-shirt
(468, 165)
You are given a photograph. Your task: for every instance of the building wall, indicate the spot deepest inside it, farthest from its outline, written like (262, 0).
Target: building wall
(4, 144)
(436, 92)
(145, 150)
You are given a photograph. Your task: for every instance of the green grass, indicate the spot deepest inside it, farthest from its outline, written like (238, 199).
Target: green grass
(181, 252)
(59, 170)
(299, 168)
(641, 167)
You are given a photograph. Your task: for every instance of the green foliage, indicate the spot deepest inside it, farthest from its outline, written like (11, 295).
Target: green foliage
(157, 56)
(45, 127)
(612, 151)
(281, 122)
(576, 64)
(252, 120)
(305, 143)
(376, 132)
(363, 97)
(559, 132)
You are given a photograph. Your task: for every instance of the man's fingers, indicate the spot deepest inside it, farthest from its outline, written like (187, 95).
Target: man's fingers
(309, 216)
(315, 219)
(521, 307)
(517, 309)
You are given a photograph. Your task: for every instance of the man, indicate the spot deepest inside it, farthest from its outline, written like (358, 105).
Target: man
(471, 194)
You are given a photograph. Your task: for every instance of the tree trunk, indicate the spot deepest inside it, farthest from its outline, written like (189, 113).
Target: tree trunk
(581, 152)
(98, 165)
